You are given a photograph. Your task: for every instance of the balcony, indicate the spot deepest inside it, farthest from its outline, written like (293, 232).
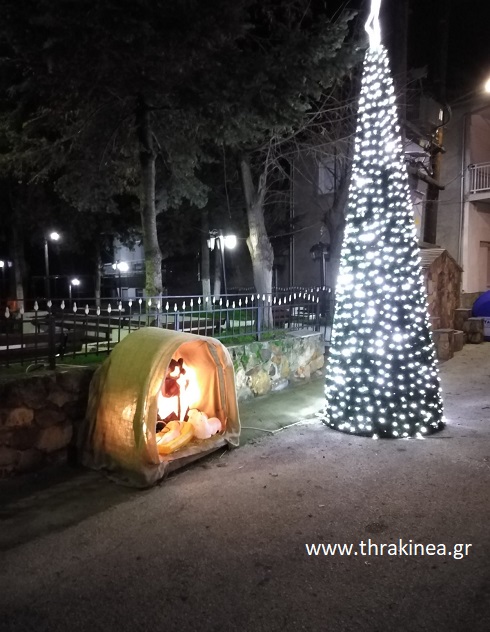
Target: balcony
(479, 182)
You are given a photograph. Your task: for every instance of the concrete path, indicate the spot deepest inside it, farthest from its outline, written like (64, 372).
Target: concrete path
(221, 545)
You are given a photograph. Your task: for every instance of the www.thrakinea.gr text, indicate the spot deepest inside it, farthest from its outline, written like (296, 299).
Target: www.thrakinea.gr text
(398, 548)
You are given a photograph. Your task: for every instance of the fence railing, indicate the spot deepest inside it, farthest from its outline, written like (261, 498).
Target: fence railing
(479, 177)
(47, 332)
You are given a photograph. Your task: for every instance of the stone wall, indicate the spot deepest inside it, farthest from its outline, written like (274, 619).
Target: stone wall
(262, 367)
(38, 414)
(468, 298)
(443, 283)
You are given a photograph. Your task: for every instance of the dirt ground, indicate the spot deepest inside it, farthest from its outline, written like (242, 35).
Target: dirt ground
(221, 544)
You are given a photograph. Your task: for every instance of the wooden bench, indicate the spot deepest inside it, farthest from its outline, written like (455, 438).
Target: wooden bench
(17, 347)
(202, 326)
(86, 331)
(281, 314)
(81, 329)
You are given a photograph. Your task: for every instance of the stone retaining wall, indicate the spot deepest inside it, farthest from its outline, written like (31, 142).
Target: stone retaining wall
(39, 414)
(262, 367)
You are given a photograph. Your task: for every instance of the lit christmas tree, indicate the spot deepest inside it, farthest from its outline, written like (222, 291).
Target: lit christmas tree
(382, 377)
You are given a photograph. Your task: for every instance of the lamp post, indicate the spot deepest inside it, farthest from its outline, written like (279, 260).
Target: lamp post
(75, 283)
(321, 252)
(54, 236)
(223, 241)
(120, 266)
(2, 268)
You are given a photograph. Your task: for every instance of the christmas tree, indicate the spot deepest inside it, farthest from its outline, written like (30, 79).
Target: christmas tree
(382, 378)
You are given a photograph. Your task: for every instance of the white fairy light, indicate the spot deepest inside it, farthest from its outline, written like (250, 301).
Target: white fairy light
(382, 378)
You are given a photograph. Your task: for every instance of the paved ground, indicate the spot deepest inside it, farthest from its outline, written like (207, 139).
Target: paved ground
(221, 545)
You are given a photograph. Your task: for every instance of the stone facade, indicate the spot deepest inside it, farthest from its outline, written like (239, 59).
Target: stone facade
(466, 329)
(467, 299)
(444, 342)
(473, 329)
(442, 276)
(262, 367)
(38, 418)
(461, 315)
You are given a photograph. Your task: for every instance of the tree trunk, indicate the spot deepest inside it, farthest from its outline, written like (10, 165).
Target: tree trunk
(205, 270)
(98, 275)
(336, 225)
(147, 158)
(17, 255)
(335, 218)
(334, 261)
(258, 241)
(217, 271)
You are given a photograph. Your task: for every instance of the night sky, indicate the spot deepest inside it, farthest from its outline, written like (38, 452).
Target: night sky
(468, 55)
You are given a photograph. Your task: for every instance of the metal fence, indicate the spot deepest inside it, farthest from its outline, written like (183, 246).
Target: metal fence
(47, 332)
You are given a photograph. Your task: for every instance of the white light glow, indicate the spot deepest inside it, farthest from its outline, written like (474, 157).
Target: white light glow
(382, 378)
(230, 241)
(372, 25)
(122, 266)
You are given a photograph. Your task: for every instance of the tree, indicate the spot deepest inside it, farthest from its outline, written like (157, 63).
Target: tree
(317, 55)
(382, 378)
(151, 86)
(113, 83)
(321, 152)
(14, 201)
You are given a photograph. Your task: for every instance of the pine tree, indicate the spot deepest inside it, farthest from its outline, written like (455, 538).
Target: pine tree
(382, 378)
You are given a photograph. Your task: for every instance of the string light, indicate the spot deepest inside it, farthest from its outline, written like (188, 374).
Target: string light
(382, 378)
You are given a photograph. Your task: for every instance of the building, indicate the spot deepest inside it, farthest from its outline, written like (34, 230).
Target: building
(463, 225)
(125, 276)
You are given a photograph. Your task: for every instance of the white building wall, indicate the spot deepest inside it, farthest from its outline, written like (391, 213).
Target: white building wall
(449, 208)
(463, 226)
(479, 133)
(475, 258)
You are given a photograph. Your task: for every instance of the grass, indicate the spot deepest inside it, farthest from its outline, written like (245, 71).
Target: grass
(243, 339)
(82, 359)
(43, 365)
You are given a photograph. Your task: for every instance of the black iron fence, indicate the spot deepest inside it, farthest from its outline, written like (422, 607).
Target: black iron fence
(47, 332)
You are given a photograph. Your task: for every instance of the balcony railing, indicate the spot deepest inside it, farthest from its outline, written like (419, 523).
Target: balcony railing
(479, 177)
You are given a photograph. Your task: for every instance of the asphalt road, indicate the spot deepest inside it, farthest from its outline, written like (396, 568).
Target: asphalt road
(220, 546)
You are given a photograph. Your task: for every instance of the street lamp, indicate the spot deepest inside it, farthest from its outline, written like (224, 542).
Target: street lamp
(75, 283)
(482, 90)
(2, 268)
(321, 252)
(53, 236)
(230, 241)
(120, 266)
(223, 241)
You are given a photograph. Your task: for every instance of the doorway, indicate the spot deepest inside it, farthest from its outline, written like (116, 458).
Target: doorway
(484, 265)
